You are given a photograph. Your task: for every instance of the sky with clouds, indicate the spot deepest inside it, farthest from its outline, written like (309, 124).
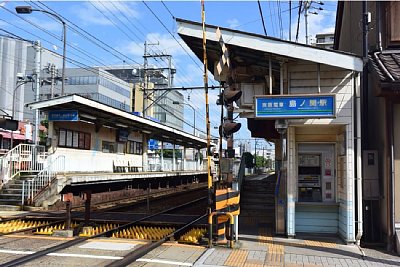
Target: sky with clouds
(124, 26)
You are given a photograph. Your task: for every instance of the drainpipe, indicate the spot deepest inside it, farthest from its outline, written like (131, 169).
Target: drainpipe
(392, 226)
(358, 165)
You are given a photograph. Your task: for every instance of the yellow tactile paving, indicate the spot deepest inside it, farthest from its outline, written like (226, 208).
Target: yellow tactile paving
(265, 236)
(237, 258)
(253, 263)
(312, 243)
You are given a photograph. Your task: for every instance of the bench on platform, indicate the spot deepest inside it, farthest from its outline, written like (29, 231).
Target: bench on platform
(134, 167)
(126, 166)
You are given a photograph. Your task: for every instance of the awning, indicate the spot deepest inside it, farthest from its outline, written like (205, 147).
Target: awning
(16, 136)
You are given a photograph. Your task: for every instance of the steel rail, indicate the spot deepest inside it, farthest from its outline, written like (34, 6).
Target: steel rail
(143, 250)
(38, 254)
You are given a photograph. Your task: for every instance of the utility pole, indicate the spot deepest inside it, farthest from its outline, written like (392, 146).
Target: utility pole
(145, 76)
(37, 48)
(145, 79)
(51, 69)
(306, 7)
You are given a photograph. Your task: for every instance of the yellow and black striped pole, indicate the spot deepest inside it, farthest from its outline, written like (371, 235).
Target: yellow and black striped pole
(210, 181)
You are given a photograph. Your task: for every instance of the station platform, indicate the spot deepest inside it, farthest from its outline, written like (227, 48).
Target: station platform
(265, 250)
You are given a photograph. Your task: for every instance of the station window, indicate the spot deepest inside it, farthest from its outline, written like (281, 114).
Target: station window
(109, 147)
(133, 147)
(73, 139)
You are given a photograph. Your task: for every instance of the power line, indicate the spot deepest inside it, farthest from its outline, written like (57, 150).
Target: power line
(278, 3)
(262, 17)
(272, 20)
(298, 21)
(94, 39)
(165, 27)
(168, 9)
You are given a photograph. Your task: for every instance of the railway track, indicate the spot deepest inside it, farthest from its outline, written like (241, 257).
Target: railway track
(172, 235)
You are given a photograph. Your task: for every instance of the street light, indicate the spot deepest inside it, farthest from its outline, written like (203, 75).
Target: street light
(194, 114)
(29, 10)
(21, 80)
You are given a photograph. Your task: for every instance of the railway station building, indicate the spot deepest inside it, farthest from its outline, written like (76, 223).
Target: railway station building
(306, 100)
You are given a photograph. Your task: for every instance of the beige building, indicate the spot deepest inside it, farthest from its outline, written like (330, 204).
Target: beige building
(304, 99)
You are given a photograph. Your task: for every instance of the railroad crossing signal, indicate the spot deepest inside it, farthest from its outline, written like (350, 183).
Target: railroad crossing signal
(224, 60)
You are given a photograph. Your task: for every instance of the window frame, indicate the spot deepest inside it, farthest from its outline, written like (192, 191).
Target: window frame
(66, 139)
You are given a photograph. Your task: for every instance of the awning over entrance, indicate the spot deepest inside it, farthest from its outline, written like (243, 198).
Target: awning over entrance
(16, 136)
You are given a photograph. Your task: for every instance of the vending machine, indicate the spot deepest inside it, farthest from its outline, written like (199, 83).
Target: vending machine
(316, 173)
(309, 174)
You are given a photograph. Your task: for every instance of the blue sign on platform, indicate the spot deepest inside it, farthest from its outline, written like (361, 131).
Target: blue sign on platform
(63, 115)
(152, 144)
(295, 106)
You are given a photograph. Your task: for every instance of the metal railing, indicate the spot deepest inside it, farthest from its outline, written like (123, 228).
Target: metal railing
(31, 188)
(241, 172)
(23, 158)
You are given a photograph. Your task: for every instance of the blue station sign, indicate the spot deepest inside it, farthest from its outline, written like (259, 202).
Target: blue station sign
(63, 115)
(295, 106)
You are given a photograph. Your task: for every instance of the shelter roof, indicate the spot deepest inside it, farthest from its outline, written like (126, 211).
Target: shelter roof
(102, 114)
(253, 48)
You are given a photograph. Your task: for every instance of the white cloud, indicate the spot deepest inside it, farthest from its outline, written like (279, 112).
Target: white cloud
(91, 13)
(49, 24)
(166, 44)
(324, 22)
(233, 23)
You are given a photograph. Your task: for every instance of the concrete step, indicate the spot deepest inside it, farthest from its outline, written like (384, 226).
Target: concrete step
(11, 191)
(27, 177)
(9, 196)
(10, 202)
(12, 185)
(10, 207)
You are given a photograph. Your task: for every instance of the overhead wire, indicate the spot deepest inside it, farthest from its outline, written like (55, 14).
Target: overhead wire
(278, 3)
(272, 20)
(85, 34)
(97, 40)
(262, 17)
(298, 21)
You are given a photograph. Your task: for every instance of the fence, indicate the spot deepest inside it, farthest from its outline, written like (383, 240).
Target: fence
(23, 158)
(31, 188)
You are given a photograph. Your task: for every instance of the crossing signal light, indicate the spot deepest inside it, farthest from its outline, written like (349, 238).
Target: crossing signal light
(220, 100)
(229, 128)
(231, 95)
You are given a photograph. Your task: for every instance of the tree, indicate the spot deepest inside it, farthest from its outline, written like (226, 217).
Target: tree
(167, 153)
(248, 160)
(260, 161)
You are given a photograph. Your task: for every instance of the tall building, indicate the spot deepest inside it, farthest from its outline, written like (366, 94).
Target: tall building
(158, 103)
(324, 40)
(94, 83)
(14, 59)
(18, 60)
